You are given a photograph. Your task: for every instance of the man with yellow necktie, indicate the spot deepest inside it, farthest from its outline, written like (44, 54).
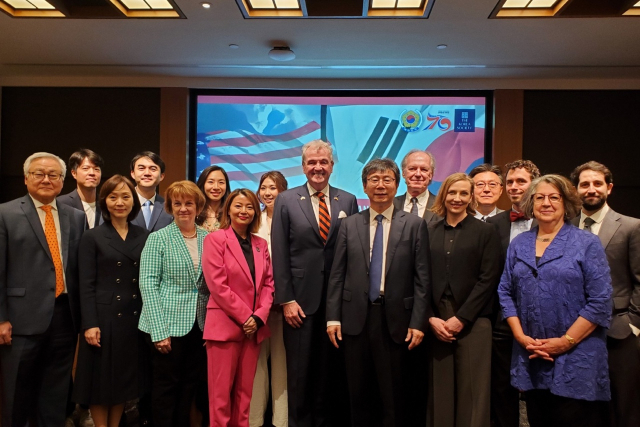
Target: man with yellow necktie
(39, 296)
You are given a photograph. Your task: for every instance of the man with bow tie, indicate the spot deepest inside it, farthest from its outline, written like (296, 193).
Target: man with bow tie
(510, 223)
(306, 220)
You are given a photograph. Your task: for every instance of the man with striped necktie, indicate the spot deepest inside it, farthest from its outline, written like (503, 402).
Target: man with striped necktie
(305, 224)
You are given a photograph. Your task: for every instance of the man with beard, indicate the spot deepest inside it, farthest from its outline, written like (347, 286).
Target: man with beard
(620, 236)
(504, 398)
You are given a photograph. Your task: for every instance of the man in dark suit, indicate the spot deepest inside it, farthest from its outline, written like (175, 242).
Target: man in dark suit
(305, 224)
(505, 410)
(39, 296)
(147, 170)
(376, 318)
(620, 236)
(86, 169)
(418, 168)
(487, 182)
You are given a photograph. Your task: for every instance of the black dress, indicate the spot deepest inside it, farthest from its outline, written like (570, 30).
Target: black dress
(110, 299)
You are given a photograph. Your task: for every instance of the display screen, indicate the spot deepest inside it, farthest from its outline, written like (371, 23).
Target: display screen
(248, 135)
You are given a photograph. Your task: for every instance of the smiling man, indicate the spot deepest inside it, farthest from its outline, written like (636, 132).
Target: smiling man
(378, 299)
(147, 169)
(39, 296)
(86, 168)
(306, 220)
(487, 181)
(620, 236)
(418, 168)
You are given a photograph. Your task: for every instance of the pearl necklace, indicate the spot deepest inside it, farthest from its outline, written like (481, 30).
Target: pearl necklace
(195, 233)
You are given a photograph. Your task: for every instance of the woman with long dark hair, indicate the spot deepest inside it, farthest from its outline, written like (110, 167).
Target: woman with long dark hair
(214, 184)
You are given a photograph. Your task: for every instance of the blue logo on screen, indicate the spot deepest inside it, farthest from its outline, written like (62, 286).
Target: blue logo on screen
(465, 120)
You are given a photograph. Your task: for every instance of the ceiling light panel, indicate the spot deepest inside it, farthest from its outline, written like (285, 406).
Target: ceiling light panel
(287, 4)
(383, 4)
(135, 4)
(542, 3)
(42, 4)
(516, 3)
(409, 4)
(20, 4)
(262, 4)
(159, 4)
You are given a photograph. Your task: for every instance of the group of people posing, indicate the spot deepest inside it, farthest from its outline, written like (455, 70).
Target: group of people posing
(206, 304)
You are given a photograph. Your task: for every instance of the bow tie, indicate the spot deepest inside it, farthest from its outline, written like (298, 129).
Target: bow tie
(516, 216)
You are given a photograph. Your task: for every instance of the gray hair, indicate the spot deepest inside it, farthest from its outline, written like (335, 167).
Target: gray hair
(380, 165)
(317, 145)
(43, 155)
(403, 164)
(570, 199)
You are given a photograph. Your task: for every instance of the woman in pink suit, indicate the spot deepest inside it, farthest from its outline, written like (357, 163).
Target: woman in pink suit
(237, 269)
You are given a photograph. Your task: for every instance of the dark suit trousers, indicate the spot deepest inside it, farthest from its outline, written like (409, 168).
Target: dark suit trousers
(36, 371)
(505, 399)
(624, 372)
(548, 410)
(174, 378)
(375, 373)
(317, 390)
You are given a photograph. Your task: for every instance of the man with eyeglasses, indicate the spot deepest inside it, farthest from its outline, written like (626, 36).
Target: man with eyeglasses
(620, 237)
(378, 299)
(505, 399)
(39, 296)
(487, 190)
(86, 169)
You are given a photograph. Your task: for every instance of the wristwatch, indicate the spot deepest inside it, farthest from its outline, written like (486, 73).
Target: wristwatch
(571, 340)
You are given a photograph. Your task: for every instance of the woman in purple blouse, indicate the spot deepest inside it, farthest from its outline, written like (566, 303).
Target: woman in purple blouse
(555, 293)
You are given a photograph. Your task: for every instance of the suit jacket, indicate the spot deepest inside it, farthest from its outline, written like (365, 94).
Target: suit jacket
(300, 259)
(173, 291)
(234, 295)
(407, 275)
(159, 217)
(620, 237)
(503, 225)
(27, 275)
(474, 271)
(428, 216)
(109, 273)
(73, 199)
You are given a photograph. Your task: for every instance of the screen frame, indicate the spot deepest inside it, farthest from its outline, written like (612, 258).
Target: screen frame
(373, 93)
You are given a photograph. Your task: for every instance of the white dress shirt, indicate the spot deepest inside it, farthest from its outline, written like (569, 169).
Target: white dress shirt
(265, 229)
(315, 200)
(597, 217)
(519, 227)
(479, 215)
(56, 220)
(90, 211)
(422, 202)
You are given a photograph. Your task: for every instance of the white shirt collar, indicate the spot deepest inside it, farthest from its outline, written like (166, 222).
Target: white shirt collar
(312, 191)
(38, 203)
(388, 213)
(596, 217)
(422, 198)
(143, 200)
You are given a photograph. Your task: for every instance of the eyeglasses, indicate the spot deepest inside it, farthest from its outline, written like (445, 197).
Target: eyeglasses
(39, 176)
(492, 184)
(386, 181)
(554, 198)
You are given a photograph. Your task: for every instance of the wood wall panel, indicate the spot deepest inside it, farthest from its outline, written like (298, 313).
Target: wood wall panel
(174, 136)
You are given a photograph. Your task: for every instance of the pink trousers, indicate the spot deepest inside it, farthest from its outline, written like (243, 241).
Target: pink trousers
(231, 369)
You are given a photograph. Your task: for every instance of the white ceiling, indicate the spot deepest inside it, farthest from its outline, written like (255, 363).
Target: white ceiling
(198, 47)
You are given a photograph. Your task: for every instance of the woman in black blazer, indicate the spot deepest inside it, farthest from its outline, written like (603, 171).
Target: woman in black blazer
(112, 357)
(465, 262)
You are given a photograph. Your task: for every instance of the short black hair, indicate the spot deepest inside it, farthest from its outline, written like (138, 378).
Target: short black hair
(150, 154)
(78, 157)
(380, 165)
(487, 167)
(108, 187)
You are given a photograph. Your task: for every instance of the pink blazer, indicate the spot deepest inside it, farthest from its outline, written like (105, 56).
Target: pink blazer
(232, 292)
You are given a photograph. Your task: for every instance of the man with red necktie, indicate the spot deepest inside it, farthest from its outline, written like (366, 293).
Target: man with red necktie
(39, 296)
(306, 220)
(504, 398)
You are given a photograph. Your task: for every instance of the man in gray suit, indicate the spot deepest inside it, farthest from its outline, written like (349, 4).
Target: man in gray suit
(620, 236)
(39, 296)
(418, 168)
(305, 223)
(86, 169)
(381, 318)
(147, 169)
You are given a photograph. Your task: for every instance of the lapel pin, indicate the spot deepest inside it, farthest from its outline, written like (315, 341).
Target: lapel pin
(335, 198)
(302, 198)
(257, 249)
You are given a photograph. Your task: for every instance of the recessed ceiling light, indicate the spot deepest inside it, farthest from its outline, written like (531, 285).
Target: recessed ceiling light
(442, 46)
(233, 46)
(206, 5)
(282, 53)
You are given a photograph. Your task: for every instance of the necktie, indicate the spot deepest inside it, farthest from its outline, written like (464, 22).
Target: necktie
(588, 222)
(52, 241)
(375, 270)
(516, 216)
(483, 219)
(414, 207)
(146, 212)
(324, 217)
